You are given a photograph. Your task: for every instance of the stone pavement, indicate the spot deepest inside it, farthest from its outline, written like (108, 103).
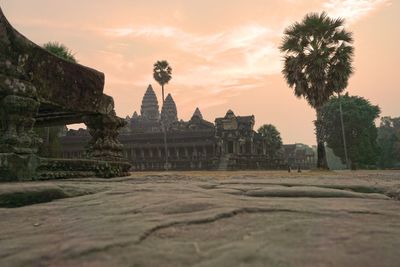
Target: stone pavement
(204, 219)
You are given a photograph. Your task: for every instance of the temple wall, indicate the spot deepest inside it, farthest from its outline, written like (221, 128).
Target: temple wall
(191, 151)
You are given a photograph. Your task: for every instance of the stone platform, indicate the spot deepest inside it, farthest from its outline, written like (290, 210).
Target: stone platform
(204, 219)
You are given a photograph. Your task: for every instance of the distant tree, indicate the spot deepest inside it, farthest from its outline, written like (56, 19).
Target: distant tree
(272, 138)
(317, 63)
(60, 50)
(389, 142)
(360, 131)
(162, 74)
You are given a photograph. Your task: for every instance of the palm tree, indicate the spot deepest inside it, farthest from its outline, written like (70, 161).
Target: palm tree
(317, 63)
(162, 74)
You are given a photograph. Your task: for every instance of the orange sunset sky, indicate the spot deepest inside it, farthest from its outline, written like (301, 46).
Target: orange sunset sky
(224, 53)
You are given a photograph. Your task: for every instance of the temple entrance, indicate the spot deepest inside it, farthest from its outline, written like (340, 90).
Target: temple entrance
(230, 147)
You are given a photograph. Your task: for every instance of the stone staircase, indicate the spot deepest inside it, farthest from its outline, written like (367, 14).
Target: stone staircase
(223, 162)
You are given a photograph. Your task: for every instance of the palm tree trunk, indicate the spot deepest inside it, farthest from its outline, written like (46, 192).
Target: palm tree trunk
(343, 132)
(165, 132)
(322, 162)
(162, 92)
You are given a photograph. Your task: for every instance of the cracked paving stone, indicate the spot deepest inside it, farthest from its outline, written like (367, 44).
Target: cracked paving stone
(204, 219)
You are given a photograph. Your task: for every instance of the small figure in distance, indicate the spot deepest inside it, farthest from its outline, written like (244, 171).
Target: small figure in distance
(299, 169)
(289, 169)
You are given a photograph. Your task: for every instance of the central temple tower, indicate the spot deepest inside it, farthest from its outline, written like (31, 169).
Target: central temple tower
(149, 109)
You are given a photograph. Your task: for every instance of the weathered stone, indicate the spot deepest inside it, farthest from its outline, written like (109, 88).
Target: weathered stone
(104, 130)
(71, 168)
(38, 88)
(17, 119)
(18, 166)
(61, 86)
(205, 219)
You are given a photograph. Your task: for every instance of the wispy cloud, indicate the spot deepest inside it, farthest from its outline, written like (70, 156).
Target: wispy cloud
(247, 51)
(149, 31)
(352, 10)
(223, 61)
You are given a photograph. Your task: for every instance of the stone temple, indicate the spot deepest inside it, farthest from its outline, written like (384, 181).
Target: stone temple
(39, 89)
(230, 143)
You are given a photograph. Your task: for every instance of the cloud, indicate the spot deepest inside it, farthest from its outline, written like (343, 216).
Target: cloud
(246, 51)
(148, 31)
(352, 10)
(218, 62)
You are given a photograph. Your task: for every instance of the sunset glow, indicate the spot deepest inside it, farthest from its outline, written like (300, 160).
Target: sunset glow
(224, 54)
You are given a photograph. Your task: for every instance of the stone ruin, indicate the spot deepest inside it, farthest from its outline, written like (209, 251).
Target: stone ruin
(39, 89)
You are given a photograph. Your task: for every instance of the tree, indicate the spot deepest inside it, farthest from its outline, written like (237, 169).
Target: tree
(60, 50)
(317, 63)
(272, 138)
(162, 74)
(389, 142)
(360, 131)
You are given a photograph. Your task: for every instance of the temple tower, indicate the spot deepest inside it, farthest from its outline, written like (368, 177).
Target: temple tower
(197, 113)
(169, 113)
(149, 109)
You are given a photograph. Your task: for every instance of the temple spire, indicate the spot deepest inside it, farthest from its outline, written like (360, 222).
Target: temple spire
(149, 109)
(169, 112)
(197, 113)
(230, 114)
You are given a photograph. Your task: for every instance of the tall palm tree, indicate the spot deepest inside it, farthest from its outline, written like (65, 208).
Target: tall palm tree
(162, 74)
(318, 56)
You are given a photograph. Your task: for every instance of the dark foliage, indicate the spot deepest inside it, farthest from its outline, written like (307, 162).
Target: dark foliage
(360, 130)
(389, 142)
(272, 138)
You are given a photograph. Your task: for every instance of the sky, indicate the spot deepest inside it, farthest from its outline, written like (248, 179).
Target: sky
(224, 54)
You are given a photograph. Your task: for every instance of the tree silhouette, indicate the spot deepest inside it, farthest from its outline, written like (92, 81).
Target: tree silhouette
(359, 116)
(162, 74)
(317, 63)
(272, 138)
